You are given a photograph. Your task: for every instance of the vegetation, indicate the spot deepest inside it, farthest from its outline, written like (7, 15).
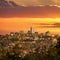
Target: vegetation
(15, 54)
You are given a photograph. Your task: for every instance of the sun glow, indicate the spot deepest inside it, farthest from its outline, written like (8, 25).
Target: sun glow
(38, 20)
(16, 24)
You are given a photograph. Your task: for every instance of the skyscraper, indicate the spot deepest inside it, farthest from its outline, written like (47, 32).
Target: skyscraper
(31, 30)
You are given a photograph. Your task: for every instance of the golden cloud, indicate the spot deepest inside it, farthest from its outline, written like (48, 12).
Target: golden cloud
(45, 25)
(36, 2)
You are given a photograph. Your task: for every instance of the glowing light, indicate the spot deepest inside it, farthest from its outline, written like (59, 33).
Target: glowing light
(59, 6)
(15, 24)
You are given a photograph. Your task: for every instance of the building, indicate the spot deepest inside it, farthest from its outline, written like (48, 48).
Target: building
(30, 31)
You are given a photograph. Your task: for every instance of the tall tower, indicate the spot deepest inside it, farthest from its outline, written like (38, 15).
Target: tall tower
(31, 30)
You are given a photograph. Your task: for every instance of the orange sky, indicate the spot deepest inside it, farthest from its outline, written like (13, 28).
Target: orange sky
(42, 15)
(39, 24)
(31, 12)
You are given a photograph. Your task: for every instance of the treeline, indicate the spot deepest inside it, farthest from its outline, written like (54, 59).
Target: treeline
(51, 54)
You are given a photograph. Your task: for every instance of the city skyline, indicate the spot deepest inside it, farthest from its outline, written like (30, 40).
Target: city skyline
(17, 15)
(29, 29)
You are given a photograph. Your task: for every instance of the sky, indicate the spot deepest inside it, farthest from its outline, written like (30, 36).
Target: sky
(42, 19)
(40, 25)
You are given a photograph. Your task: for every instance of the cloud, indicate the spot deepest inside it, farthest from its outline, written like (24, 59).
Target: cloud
(46, 2)
(45, 25)
(57, 25)
(57, 2)
(36, 2)
(33, 12)
(26, 2)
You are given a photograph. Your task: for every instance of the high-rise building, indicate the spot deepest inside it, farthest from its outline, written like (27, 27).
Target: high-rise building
(31, 30)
